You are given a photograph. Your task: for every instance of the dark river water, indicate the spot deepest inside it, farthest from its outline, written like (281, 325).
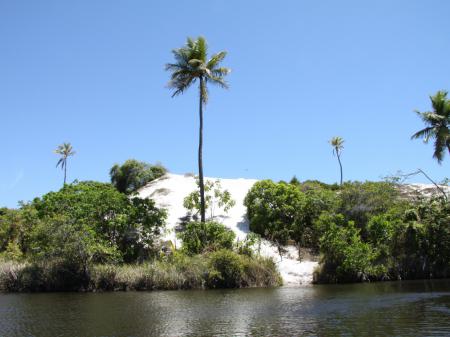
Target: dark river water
(419, 308)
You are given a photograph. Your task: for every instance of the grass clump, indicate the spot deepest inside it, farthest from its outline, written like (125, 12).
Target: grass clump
(220, 269)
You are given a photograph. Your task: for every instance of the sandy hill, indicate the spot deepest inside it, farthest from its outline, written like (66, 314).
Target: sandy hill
(169, 192)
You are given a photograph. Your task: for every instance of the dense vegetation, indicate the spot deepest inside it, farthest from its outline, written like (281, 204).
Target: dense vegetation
(364, 231)
(89, 236)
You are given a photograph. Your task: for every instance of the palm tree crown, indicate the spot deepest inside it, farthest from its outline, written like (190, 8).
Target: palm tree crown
(437, 122)
(192, 64)
(338, 144)
(64, 150)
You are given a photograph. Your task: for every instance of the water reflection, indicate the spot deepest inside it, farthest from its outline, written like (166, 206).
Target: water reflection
(381, 309)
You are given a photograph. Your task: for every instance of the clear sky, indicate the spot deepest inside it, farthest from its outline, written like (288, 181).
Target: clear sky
(92, 73)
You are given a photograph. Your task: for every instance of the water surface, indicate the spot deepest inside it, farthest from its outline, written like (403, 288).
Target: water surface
(419, 308)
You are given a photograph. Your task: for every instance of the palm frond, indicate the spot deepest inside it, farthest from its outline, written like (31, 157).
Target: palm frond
(201, 49)
(215, 60)
(439, 146)
(437, 123)
(438, 101)
(179, 85)
(218, 81)
(220, 72)
(426, 134)
(173, 67)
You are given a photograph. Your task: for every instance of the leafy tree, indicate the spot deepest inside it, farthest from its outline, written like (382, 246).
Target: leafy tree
(192, 64)
(358, 201)
(274, 209)
(106, 221)
(281, 212)
(437, 122)
(338, 145)
(294, 181)
(16, 226)
(421, 244)
(345, 257)
(198, 237)
(133, 174)
(65, 150)
(215, 196)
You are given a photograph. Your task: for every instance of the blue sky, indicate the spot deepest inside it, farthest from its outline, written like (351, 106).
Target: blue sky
(92, 73)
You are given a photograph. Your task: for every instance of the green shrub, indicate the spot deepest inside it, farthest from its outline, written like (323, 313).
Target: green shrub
(248, 246)
(275, 209)
(226, 269)
(358, 202)
(133, 174)
(95, 223)
(345, 258)
(215, 197)
(15, 228)
(282, 212)
(200, 237)
(259, 272)
(421, 244)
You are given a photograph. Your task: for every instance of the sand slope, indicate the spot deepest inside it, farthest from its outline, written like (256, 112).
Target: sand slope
(169, 192)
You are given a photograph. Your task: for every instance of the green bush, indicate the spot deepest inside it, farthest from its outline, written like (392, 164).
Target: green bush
(358, 202)
(420, 246)
(198, 237)
(98, 223)
(282, 212)
(133, 174)
(226, 269)
(259, 272)
(15, 228)
(215, 197)
(345, 257)
(248, 246)
(275, 209)
(82, 224)
(231, 270)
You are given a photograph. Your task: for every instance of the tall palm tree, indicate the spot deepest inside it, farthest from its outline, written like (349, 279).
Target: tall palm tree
(338, 145)
(192, 64)
(437, 122)
(65, 150)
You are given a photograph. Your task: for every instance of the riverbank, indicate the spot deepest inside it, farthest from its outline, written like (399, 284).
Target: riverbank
(222, 269)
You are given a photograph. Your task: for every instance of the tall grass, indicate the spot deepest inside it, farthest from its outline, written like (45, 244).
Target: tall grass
(220, 269)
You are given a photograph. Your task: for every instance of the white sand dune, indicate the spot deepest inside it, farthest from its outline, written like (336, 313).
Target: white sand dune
(169, 192)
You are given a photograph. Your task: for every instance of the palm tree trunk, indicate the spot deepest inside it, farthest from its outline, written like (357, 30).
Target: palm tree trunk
(65, 172)
(340, 164)
(200, 156)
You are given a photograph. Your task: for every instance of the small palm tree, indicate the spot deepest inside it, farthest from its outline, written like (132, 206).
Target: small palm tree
(437, 122)
(64, 150)
(192, 64)
(338, 145)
